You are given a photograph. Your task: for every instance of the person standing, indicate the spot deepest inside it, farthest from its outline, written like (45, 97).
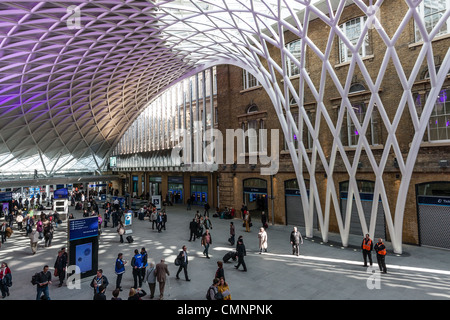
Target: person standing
(5, 279)
(119, 268)
(99, 280)
(232, 234)
(262, 236)
(60, 267)
(367, 246)
(144, 262)
(206, 242)
(183, 258)
(161, 271)
(380, 249)
(241, 252)
(44, 278)
(296, 239)
(136, 264)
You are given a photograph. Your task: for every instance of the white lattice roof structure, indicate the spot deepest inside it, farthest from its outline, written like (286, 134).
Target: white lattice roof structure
(75, 74)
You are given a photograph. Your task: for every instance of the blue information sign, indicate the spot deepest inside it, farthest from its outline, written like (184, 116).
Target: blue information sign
(83, 228)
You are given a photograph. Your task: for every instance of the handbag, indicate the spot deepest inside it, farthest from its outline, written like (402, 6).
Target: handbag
(177, 261)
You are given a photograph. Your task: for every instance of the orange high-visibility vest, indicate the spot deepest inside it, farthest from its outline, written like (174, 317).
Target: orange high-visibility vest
(367, 245)
(382, 252)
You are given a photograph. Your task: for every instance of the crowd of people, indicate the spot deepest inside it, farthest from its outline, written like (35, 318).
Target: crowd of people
(41, 227)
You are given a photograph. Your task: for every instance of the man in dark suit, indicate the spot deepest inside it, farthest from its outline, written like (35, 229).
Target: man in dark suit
(183, 259)
(193, 226)
(241, 253)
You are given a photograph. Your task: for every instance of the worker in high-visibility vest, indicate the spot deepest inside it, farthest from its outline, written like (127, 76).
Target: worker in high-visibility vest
(367, 246)
(380, 249)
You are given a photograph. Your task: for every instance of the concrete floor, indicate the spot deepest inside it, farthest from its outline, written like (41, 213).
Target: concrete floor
(323, 271)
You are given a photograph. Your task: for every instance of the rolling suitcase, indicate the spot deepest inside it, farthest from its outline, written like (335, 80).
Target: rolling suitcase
(229, 255)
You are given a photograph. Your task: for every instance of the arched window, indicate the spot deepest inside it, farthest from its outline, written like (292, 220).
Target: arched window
(352, 30)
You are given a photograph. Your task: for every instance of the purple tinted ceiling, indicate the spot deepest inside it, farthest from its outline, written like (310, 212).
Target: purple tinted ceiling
(73, 89)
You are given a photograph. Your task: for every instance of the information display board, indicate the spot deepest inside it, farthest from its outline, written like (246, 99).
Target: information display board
(83, 228)
(82, 237)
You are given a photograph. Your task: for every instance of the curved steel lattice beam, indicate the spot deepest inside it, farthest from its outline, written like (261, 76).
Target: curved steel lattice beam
(75, 75)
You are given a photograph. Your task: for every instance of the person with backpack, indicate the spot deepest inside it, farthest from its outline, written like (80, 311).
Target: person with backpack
(42, 280)
(213, 293)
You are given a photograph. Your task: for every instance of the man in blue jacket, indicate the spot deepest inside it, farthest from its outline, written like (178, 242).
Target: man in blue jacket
(137, 263)
(120, 270)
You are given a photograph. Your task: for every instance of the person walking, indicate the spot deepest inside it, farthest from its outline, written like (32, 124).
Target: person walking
(5, 279)
(34, 238)
(119, 268)
(48, 232)
(183, 258)
(232, 234)
(193, 230)
(367, 246)
(206, 242)
(44, 278)
(224, 289)
(220, 271)
(136, 264)
(159, 221)
(99, 280)
(150, 278)
(207, 223)
(380, 249)
(120, 230)
(161, 273)
(264, 220)
(241, 252)
(153, 218)
(296, 239)
(262, 236)
(213, 292)
(247, 220)
(60, 267)
(164, 220)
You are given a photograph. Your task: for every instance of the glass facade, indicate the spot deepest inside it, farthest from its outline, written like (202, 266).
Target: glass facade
(188, 106)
